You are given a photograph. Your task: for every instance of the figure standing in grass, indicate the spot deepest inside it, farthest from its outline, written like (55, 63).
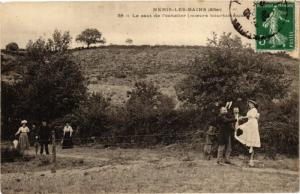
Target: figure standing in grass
(23, 138)
(67, 137)
(225, 129)
(250, 136)
(44, 137)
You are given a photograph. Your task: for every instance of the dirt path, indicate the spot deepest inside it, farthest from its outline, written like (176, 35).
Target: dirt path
(146, 170)
(101, 160)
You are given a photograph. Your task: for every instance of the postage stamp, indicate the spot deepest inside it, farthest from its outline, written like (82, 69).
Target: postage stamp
(276, 23)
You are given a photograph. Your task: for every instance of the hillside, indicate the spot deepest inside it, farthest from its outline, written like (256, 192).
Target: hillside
(112, 70)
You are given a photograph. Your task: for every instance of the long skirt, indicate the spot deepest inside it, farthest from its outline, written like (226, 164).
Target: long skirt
(250, 136)
(23, 142)
(67, 141)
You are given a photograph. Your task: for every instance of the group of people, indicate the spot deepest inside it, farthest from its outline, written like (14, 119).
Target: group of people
(42, 138)
(228, 126)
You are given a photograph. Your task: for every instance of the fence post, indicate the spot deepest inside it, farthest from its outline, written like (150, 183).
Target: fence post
(53, 152)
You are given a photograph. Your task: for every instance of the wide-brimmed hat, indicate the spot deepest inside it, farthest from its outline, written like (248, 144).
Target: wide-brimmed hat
(253, 102)
(24, 122)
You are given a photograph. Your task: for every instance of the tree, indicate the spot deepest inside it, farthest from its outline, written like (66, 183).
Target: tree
(129, 41)
(229, 70)
(53, 84)
(90, 36)
(59, 42)
(146, 108)
(41, 49)
(9, 100)
(91, 116)
(12, 47)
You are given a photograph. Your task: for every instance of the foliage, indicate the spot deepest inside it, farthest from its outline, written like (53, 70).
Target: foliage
(40, 50)
(148, 111)
(52, 84)
(230, 70)
(12, 46)
(280, 126)
(9, 154)
(9, 101)
(91, 116)
(90, 36)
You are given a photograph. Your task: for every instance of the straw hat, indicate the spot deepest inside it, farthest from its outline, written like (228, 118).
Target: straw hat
(253, 102)
(24, 122)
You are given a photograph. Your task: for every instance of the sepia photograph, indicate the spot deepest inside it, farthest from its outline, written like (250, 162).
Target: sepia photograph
(154, 96)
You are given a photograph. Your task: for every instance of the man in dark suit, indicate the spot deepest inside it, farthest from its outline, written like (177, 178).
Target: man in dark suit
(225, 130)
(44, 137)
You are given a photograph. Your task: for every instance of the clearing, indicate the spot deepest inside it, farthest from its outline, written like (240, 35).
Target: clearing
(159, 169)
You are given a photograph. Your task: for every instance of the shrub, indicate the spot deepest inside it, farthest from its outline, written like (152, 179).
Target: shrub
(12, 47)
(148, 111)
(9, 115)
(280, 128)
(91, 116)
(8, 154)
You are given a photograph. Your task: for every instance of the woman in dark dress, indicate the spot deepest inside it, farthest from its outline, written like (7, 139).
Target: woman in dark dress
(67, 138)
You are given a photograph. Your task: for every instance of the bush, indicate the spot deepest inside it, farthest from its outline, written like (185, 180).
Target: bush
(8, 154)
(12, 47)
(9, 116)
(148, 112)
(91, 116)
(280, 129)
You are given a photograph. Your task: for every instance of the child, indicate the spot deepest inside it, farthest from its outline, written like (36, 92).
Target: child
(36, 145)
(15, 144)
(209, 137)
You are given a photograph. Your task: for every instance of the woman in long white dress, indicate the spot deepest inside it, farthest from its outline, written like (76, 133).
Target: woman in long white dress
(250, 136)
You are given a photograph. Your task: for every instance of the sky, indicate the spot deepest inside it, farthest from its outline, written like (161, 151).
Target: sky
(21, 22)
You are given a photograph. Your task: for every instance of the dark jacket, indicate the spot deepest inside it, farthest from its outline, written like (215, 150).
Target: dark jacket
(225, 128)
(44, 134)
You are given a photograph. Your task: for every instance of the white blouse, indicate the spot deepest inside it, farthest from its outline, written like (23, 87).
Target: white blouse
(252, 114)
(68, 129)
(23, 130)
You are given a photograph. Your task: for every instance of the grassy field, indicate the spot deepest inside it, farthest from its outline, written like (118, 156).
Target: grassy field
(160, 169)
